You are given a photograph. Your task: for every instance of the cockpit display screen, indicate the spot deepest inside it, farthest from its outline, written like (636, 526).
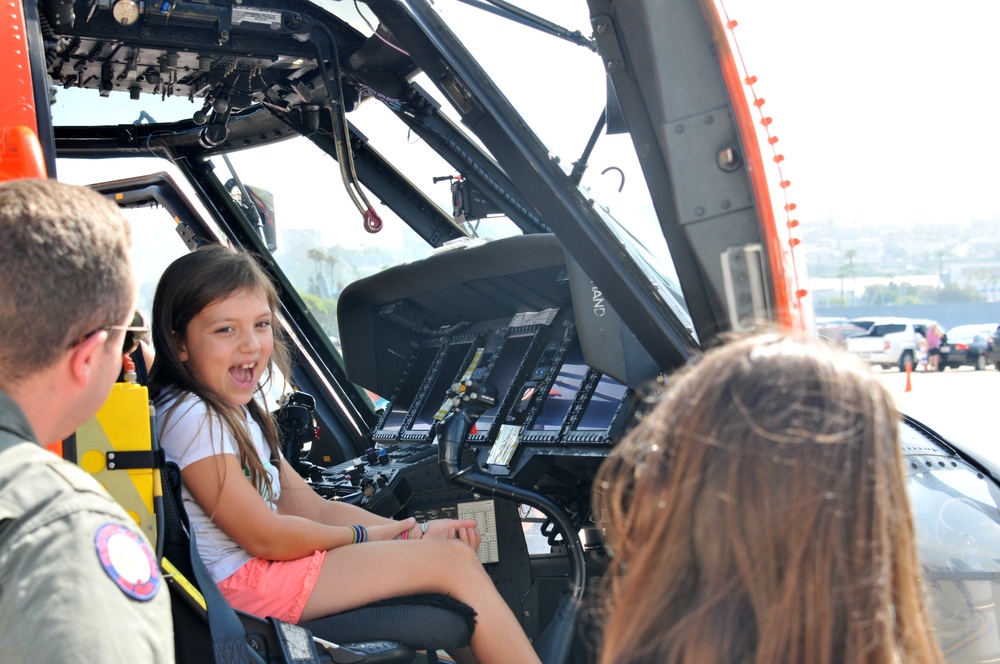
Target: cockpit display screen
(602, 406)
(563, 391)
(403, 399)
(447, 373)
(503, 374)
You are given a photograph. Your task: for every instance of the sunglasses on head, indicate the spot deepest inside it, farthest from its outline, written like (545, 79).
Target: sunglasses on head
(133, 333)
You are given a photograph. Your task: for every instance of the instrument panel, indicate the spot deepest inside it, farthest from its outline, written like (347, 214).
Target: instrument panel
(503, 313)
(548, 394)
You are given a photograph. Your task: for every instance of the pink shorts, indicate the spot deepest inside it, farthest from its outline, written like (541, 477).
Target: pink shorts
(276, 588)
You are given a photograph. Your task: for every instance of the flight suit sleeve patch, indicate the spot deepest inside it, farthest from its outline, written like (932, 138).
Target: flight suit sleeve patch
(128, 560)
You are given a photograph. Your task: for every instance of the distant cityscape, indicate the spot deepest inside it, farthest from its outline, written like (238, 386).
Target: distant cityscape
(947, 273)
(902, 265)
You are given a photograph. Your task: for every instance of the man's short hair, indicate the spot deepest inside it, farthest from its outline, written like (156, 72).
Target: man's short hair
(66, 271)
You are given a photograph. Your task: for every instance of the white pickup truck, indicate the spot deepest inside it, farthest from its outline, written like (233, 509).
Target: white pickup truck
(890, 342)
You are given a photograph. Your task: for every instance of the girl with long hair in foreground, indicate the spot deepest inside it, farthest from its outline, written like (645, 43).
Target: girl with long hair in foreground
(759, 514)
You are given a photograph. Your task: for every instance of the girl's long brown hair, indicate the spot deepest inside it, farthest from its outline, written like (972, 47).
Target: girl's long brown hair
(191, 283)
(759, 514)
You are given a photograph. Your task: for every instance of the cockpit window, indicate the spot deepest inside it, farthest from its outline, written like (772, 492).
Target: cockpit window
(559, 86)
(421, 165)
(556, 85)
(957, 524)
(320, 241)
(81, 107)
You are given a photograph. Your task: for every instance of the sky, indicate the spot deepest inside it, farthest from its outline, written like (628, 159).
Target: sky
(886, 110)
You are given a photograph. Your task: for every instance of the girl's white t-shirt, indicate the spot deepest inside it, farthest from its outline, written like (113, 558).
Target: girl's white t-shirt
(191, 433)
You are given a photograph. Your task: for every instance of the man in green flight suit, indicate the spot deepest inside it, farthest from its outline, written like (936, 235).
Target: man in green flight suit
(78, 580)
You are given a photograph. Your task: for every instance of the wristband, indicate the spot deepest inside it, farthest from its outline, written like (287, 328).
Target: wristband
(406, 534)
(423, 528)
(360, 534)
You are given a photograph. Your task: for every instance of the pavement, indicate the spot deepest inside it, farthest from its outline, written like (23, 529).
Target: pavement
(962, 405)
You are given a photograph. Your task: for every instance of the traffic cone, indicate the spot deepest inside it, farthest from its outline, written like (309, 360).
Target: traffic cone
(909, 370)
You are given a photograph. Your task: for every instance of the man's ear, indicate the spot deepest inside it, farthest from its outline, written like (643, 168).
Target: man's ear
(85, 357)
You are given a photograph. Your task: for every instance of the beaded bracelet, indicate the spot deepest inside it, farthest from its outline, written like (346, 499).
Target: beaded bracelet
(360, 534)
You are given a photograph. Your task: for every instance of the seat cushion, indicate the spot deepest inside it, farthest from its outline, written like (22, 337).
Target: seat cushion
(431, 621)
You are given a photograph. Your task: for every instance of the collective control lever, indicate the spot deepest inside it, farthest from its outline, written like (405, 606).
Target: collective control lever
(469, 400)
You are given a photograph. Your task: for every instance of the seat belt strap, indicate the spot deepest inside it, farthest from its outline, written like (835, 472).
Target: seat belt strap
(229, 643)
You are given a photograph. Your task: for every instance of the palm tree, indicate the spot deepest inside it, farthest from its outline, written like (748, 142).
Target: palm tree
(841, 273)
(850, 254)
(319, 257)
(316, 256)
(332, 262)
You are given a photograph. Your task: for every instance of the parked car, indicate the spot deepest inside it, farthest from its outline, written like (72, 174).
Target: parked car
(839, 330)
(889, 341)
(993, 343)
(969, 345)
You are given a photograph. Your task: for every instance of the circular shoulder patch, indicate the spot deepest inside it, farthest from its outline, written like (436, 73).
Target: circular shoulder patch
(128, 560)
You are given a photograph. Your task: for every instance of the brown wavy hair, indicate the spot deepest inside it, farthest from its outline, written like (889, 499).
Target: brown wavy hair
(188, 285)
(759, 514)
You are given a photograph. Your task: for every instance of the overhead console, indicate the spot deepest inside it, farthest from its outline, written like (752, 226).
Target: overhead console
(504, 313)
